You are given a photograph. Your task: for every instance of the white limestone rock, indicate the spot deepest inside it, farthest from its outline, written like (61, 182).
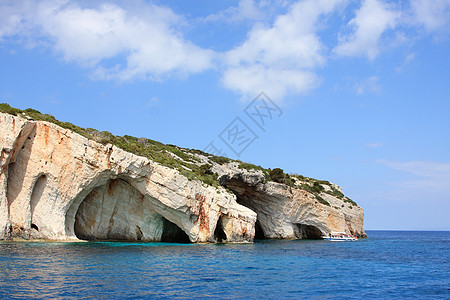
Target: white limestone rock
(290, 212)
(52, 178)
(58, 185)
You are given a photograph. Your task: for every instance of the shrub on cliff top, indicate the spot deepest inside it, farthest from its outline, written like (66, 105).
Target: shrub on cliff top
(220, 159)
(248, 167)
(317, 188)
(348, 200)
(205, 170)
(4, 107)
(323, 201)
(277, 175)
(336, 193)
(188, 163)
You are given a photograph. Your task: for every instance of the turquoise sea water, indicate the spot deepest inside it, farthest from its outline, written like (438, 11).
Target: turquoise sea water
(389, 264)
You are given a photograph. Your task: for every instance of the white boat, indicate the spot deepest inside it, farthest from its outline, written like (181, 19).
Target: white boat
(339, 237)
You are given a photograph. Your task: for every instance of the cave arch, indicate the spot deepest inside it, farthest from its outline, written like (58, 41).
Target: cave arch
(173, 234)
(219, 233)
(17, 163)
(116, 210)
(259, 232)
(36, 195)
(73, 206)
(112, 211)
(309, 232)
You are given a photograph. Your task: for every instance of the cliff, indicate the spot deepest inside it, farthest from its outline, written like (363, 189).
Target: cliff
(57, 184)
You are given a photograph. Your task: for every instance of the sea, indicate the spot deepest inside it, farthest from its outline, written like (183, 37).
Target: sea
(386, 265)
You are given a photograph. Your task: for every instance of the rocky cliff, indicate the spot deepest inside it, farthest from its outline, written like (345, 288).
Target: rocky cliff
(56, 184)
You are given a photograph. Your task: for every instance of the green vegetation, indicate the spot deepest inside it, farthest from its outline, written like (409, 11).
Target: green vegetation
(336, 193)
(348, 200)
(325, 182)
(277, 175)
(4, 107)
(186, 161)
(315, 190)
(220, 159)
(248, 167)
(323, 201)
(167, 155)
(308, 184)
(38, 116)
(315, 187)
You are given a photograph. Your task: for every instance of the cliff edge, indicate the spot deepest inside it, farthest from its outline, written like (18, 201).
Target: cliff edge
(57, 184)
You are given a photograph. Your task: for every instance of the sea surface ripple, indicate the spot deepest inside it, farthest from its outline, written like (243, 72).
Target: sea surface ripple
(389, 264)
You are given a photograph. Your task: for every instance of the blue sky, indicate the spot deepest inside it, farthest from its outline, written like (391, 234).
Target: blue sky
(363, 86)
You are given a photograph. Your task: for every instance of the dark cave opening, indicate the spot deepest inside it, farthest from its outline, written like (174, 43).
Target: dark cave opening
(259, 233)
(139, 233)
(219, 234)
(243, 200)
(34, 226)
(173, 234)
(309, 232)
(117, 211)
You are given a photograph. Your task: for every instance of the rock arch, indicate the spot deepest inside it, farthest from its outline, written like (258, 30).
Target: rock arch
(84, 189)
(309, 232)
(75, 166)
(220, 235)
(259, 232)
(171, 233)
(16, 167)
(36, 195)
(116, 210)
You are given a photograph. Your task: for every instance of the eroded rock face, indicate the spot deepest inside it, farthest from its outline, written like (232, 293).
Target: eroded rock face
(58, 185)
(117, 211)
(284, 212)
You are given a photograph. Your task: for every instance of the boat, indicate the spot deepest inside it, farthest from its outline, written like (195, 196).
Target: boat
(339, 237)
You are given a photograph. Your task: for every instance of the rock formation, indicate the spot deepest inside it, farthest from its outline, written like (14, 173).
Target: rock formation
(58, 185)
(284, 212)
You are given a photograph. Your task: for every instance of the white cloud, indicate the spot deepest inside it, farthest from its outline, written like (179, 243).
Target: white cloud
(246, 10)
(359, 86)
(141, 38)
(374, 145)
(249, 10)
(371, 21)
(367, 85)
(408, 59)
(273, 81)
(125, 40)
(421, 168)
(433, 14)
(434, 175)
(152, 102)
(9, 20)
(280, 59)
(15, 19)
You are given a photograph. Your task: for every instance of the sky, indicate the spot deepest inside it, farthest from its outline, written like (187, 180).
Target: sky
(354, 92)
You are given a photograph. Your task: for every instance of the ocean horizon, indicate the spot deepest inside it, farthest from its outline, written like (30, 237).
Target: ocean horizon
(388, 264)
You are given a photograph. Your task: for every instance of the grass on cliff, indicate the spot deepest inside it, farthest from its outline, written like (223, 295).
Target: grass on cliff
(311, 185)
(186, 161)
